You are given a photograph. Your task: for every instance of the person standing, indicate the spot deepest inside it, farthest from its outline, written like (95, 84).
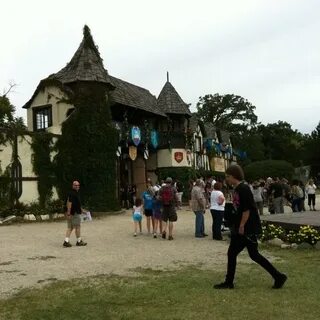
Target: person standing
(277, 192)
(137, 216)
(245, 227)
(257, 192)
(311, 192)
(147, 198)
(198, 206)
(217, 204)
(74, 211)
(168, 198)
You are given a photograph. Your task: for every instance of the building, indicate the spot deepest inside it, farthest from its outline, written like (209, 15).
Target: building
(156, 132)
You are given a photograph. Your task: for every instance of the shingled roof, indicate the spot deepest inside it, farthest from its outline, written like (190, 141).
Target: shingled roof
(128, 94)
(85, 65)
(169, 101)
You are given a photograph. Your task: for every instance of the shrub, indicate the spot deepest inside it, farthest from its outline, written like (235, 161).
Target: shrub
(268, 168)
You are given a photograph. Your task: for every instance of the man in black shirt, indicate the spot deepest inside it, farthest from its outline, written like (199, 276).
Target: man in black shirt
(245, 226)
(74, 211)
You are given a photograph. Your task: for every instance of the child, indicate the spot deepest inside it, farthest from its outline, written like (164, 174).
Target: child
(157, 215)
(137, 216)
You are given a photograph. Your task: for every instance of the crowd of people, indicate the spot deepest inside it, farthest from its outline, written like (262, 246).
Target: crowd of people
(233, 201)
(216, 195)
(275, 193)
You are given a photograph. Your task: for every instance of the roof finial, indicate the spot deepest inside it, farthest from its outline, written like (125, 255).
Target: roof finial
(167, 76)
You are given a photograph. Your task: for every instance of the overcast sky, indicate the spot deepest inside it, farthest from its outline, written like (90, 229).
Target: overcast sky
(267, 51)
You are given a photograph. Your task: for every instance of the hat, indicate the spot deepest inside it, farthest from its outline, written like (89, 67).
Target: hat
(168, 180)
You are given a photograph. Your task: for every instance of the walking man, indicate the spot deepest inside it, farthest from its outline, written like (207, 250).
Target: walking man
(245, 227)
(168, 198)
(74, 211)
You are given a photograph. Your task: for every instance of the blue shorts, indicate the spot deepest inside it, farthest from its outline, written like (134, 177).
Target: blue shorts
(137, 216)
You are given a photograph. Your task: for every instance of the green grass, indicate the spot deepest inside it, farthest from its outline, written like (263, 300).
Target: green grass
(184, 294)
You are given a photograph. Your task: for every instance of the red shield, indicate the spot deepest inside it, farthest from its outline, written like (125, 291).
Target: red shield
(178, 156)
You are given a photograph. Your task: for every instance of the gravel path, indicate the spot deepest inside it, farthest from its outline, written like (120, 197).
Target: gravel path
(32, 254)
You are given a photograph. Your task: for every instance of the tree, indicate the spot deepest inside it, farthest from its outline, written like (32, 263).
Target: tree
(281, 142)
(228, 112)
(8, 121)
(268, 168)
(312, 150)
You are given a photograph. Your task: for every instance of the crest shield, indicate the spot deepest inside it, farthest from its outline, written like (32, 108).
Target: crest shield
(178, 156)
(133, 152)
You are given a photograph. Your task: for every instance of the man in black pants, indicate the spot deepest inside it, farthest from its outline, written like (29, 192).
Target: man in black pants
(245, 227)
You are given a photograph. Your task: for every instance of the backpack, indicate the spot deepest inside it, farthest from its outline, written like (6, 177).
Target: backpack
(167, 195)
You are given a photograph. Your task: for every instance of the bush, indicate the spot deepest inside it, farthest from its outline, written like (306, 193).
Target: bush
(268, 168)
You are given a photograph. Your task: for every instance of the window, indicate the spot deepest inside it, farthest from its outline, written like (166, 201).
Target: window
(42, 117)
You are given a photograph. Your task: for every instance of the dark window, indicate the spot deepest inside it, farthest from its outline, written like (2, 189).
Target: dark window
(42, 118)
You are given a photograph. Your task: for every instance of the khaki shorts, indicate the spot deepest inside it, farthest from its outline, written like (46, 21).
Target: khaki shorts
(74, 221)
(169, 213)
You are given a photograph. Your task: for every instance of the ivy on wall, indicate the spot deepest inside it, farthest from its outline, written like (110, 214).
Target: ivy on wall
(42, 146)
(86, 150)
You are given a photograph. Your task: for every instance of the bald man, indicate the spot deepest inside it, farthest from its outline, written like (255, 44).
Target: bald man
(74, 211)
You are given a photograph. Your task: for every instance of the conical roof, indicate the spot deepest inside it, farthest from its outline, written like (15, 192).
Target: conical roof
(169, 101)
(85, 65)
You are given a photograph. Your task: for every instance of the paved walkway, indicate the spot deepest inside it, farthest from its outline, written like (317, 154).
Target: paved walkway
(31, 254)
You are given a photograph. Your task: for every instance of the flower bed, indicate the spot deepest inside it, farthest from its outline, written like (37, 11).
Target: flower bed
(305, 234)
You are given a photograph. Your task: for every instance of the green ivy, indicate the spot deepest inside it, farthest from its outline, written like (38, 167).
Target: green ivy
(42, 146)
(86, 150)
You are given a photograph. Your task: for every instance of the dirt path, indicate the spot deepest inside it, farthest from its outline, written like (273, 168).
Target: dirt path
(32, 254)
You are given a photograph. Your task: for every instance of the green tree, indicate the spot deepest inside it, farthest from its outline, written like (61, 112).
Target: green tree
(229, 112)
(251, 142)
(281, 142)
(9, 124)
(268, 168)
(312, 150)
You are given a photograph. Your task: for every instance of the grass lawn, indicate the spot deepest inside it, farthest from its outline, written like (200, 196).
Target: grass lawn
(184, 294)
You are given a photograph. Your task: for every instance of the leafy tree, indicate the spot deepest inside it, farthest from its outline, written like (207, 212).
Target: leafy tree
(312, 150)
(281, 142)
(251, 142)
(229, 112)
(268, 168)
(8, 121)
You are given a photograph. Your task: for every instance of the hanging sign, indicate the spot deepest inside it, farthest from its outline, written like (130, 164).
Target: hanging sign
(154, 139)
(178, 156)
(133, 152)
(136, 135)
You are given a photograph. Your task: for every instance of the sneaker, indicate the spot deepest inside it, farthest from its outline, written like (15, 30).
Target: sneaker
(224, 285)
(67, 244)
(155, 236)
(135, 234)
(279, 282)
(81, 243)
(164, 234)
(170, 238)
